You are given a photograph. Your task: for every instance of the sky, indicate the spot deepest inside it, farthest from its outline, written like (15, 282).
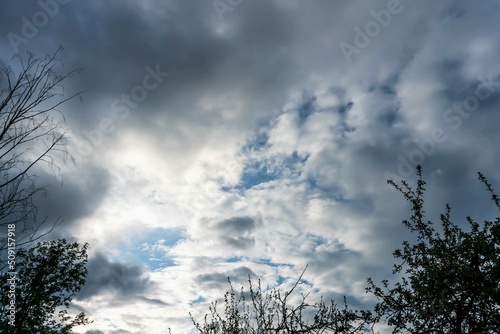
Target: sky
(228, 138)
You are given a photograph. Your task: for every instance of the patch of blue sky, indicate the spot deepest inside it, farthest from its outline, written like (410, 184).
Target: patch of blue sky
(296, 159)
(198, 300)
(167, 236)
(318, 240)
(155, 260)
(280, 280)
(151, 248)
(257, 173)
(257, 143)
(306, 282)
(267, 170)
(272, 264)
(234, 259)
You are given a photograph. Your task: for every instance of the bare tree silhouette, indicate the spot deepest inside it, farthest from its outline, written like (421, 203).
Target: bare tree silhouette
(31, 133)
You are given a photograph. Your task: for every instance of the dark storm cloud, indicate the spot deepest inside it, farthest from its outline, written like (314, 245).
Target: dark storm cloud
(124, 281)
(114, 43)
(457, 86)
(73, 197)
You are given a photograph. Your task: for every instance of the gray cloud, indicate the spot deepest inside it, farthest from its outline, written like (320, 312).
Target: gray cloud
(73, 197)
(220, 279)
(237, 232)
(124, 281)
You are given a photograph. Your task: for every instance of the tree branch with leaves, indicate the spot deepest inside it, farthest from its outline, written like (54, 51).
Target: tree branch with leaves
(257, 311)
(449, 278)
(48, 275)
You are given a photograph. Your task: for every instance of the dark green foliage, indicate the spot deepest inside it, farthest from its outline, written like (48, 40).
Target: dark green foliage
(450, 280)
(256, 312)
(49, 275)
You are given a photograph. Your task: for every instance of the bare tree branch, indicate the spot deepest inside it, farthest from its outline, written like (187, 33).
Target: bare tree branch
(32, 133)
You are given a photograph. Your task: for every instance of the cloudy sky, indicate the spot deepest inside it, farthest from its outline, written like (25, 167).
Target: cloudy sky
(254, 137)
